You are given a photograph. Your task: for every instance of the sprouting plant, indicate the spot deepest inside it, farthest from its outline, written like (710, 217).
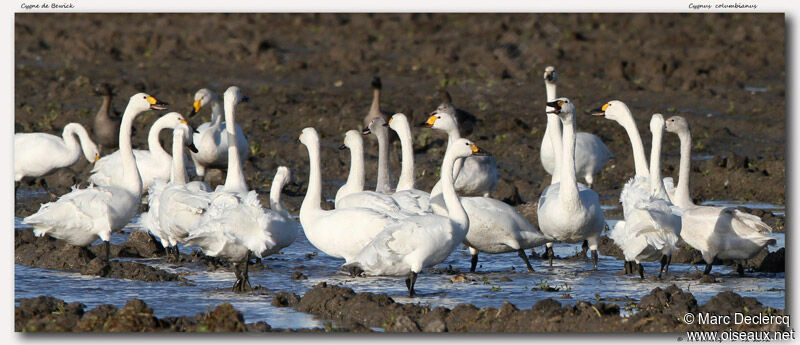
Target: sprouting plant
(255, 148)
(496, 289)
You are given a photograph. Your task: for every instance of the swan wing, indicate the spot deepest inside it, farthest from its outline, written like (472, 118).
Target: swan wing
(744, 222)
(76, 217)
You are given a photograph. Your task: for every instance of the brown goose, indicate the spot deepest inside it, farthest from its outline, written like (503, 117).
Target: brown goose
(106, 125)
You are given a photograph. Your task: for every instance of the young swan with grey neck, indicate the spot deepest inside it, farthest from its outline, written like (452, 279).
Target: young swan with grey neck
(84, 215)
(717, 232)
(378, 128)
(405, 246)
(569, 212)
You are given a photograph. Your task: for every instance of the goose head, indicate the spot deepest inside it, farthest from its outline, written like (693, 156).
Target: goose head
(351, 139)
(309, 136)
(656, 123)
(142, 102)
(677, 124)
(202, 98)
(443, 118)
(377, 126)
(614, 110)
(464, 148)
(398, 122)
(550, 75)
(234, 94)
(562, 107)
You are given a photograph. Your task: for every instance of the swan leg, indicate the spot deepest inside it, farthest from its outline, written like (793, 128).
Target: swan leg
(707, 271)
(550, 254)
(669, 260)
(585, 248)
(626, 269)
(176, 253)
(664, 259)
(108, 250)
(410, 281)
(641, 271)
(473, 262)
(246, 276)
(594, 258)
(237, 273)
(524, 258)
(740, 268)
(43, 183)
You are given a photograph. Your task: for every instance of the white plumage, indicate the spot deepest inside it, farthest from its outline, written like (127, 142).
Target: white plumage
(39, 154)
(211, 138)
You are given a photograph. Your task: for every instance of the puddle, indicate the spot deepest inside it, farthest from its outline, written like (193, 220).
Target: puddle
(500, 277)
(755, 89)
(702, 157)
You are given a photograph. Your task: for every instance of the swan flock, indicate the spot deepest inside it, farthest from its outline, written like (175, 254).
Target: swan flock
(385, 229)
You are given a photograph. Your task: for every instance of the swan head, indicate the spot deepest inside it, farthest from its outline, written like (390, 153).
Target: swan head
(562, 107)
(657, 123)
(352, 139)
(464, 148)
(234, 94)
(614, 110)
(677, 124)
(91, 152)
(309, 136)
(398, 122)
(201, 98)
(141, 102)
(550, 76)
(172, 120)
(443, 118)
(377, 126)
(283, 176)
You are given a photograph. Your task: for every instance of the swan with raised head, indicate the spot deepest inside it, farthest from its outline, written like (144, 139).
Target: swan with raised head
(152, 163)
(210, 138)
(235, 224)
(591, 154)
(378, 127)
(652, 225)
(717, 232)
(570, 212)
(175, 206)
(477, 175)
(37, 155)
(494, 227)
(406, 194)
(106, 126)
(84, 215)
(352, 193)
(341, 232)
(404, 247)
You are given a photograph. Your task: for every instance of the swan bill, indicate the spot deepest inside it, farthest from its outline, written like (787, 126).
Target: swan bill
(196, 106)
(431, 120)
(192, 148)
(156, 104)
(366, 131)
(601, 111)
(477, 151)
(556, 105)
(342, 147)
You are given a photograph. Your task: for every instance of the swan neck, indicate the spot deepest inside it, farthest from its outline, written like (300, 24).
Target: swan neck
(275, 197)
(683, 194)
(178, 172)
(355, 179)
(656, 183)
(639, 159)
(569, 187)
(406, 180)
(383, 184)
(455, 211)
(235, 181)
(131, 180)
(314, 192)
(153, 144)
(216, 112)
(553, 130)
(70, 131)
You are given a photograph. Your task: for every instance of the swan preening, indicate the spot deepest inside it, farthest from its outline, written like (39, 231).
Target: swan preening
(591, 154)
(717, 232)
(84, 215)
(38, 154)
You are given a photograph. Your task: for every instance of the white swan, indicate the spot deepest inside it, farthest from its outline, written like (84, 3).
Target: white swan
(717, 232)
(176, 206)
(341, 232)
(210, 138)
(84, 215)
(477, 175)
(39, 154)
(406, 194)
(378, 127)
(591, 154)
(352, 193)
(235, 224)
(569, 212)
(404, 247)
(652, 225)
(152, 163)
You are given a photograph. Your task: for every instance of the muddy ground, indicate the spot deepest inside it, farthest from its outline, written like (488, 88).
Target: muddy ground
(659, 311)
(723, 72)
